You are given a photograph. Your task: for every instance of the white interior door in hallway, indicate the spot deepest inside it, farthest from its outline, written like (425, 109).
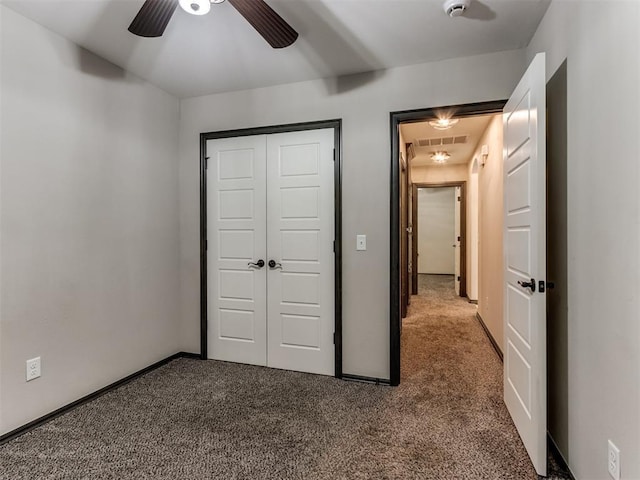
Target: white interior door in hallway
(270, 259)
(525, 371)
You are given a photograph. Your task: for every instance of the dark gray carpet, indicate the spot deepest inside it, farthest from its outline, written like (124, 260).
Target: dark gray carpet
(213, 420)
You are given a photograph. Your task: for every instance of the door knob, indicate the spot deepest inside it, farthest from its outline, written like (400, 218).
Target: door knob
(531, 284)
(273, 264)
(258, 264)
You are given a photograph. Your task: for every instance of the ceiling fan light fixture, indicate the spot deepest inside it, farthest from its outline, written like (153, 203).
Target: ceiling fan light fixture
(440, 156)
(196, 7)
(443, 123)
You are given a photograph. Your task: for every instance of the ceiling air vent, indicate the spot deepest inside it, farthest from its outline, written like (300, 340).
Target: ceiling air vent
(437, 141)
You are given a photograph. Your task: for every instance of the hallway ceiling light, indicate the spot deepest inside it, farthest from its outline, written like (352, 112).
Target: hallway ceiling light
(443, 123)
(440, 156)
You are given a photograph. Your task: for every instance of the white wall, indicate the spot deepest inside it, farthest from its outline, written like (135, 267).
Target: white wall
(364, 103)
(436, 229)
(490, 224)
(440, 173)
(473, 202)
(89, 208)
(601, 42)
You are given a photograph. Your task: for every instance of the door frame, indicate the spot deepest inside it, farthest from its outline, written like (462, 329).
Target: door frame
(404, 234)
(463, 228)
(396, 118)
(336, 125)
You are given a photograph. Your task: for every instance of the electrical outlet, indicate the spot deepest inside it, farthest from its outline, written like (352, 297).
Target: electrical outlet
(613, 461)
(33, 368)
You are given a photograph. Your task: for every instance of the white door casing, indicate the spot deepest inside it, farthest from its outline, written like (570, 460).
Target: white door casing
(236, 222)
(525, 385)
(456, 239)
(300, 236)
(271, 197)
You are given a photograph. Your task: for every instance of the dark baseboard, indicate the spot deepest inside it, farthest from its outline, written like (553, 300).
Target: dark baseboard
(92, 396)
(558, 457)
(360, 378)
(475, 302)
(491, 339)
(195, 356)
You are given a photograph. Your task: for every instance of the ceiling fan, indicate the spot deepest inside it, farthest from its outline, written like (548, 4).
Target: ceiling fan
(153, 17)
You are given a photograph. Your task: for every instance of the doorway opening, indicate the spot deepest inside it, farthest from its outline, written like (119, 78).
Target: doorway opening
(421, 147)
(532, 178)
(438, 234)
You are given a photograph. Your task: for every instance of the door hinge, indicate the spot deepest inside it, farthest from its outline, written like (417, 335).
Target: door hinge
(334, 154)
(334, 246)
(334, 338)
(206, 162)
(459, 198)
(459, 238)
(458, 277)
(206, 244)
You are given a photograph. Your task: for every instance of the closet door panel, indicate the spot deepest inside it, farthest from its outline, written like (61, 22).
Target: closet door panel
(236, 225)
(300, 235)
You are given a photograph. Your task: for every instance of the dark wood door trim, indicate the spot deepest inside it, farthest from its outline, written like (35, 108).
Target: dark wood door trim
(463, 225)
(396, 118)
(404, 236)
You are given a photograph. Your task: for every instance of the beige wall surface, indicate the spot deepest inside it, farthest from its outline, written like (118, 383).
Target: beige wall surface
(363, 102)
(89, 209)
(490, 215)
(440, 174)
(600, 41)
(473, 203)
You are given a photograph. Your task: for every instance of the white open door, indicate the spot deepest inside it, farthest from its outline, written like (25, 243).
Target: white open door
(236, 221)
(456, 238)
(525, 381)
(300, 235)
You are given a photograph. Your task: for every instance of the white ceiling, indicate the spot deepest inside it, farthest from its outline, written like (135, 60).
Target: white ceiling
(221, 52)
(471, 127)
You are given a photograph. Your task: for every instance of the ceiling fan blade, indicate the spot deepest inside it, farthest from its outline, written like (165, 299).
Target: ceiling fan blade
(153, 18)
(267, 22)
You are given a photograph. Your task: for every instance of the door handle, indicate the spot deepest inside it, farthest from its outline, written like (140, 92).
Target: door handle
(531, 284)
(273, 264)
(258, 264)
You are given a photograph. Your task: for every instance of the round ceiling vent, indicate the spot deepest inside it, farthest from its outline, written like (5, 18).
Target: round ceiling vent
(455, 8)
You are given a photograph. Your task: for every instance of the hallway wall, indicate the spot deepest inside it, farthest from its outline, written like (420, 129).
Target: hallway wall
(490, 252)
(600, 42)
(440, 174)
(473, 202)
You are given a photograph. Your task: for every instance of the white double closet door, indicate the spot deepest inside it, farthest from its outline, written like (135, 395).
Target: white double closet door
(270, 198)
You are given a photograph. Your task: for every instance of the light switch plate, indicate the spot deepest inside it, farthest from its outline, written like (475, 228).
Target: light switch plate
(361, 242)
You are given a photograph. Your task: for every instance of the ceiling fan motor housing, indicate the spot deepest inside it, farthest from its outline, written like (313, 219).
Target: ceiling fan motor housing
(455, 8)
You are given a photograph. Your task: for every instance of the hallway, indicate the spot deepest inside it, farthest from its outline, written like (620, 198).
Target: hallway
(452, 370)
